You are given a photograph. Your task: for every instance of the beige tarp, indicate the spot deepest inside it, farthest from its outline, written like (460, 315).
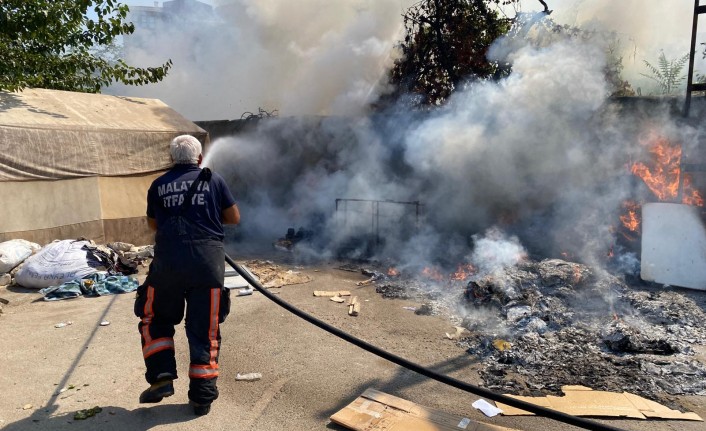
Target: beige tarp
(41, 211)
(79, 165)
(49, 134)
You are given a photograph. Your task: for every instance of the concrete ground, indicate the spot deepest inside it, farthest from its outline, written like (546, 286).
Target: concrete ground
(49, 373)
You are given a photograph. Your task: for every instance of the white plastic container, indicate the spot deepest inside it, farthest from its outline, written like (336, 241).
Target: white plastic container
(673, 245)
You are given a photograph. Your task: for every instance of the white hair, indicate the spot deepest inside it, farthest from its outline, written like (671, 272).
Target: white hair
(185, 149)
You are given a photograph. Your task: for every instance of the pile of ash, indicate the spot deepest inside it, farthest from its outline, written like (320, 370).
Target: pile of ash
(563, 324)
(541, 325)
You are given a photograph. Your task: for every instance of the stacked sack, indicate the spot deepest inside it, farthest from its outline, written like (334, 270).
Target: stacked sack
(12, 254)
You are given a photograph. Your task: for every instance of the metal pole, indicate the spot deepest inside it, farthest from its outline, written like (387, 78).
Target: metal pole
(692, 52)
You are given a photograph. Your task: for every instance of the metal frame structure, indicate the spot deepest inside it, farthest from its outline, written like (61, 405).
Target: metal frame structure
(375, 212)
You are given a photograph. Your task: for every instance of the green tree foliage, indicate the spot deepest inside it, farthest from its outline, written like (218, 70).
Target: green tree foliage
(613, 70)
(54, 44)
(446, 44)
(668, 73)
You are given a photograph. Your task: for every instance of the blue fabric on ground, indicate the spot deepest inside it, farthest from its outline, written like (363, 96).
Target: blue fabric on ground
(98, 284)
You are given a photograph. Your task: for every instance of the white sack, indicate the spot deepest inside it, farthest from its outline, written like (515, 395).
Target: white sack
(55, 264)
(14, 251)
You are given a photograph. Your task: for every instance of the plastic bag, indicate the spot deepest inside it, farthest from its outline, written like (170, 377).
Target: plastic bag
(55, 264)
(14, 252)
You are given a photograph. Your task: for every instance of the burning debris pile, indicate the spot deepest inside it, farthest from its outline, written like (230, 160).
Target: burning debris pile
(292, 238)
(540, 325)
(566, 325)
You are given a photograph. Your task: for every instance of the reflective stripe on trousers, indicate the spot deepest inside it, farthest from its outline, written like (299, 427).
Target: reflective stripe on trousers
(210, 370)
(150, 346)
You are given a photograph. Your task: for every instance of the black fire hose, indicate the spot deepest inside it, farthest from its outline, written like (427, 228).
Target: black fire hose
(538, 410)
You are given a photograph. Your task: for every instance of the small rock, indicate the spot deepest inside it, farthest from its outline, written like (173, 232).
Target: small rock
(105, 323)
(27, 406)
(87, 413)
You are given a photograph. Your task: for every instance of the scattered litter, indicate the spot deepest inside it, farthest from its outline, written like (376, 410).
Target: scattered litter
(377, 411)
(583, 401)
(87, 413)
(487, 408)
(63, 324)
(3, 300)
(332, 293)
(353, 306)
(245, 292)
(460, 330)
(410, 308)
(27, 406)
(337, 299)
(374, 276)
(105, 323)
(501, 345)
(248, 377)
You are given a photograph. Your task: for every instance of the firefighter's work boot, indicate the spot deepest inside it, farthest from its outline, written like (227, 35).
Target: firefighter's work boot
(200, 409)
(157, 392)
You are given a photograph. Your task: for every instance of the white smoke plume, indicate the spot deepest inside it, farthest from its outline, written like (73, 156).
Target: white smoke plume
(638, 30)
(541, 155)
(495, 251)
(316, 57)
(498, 154)
(313, 57)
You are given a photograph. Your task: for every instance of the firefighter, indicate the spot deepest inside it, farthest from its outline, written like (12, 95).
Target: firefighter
(187, 208)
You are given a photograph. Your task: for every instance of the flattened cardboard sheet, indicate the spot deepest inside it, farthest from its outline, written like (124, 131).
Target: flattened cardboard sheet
(377, 411)
(583, 401)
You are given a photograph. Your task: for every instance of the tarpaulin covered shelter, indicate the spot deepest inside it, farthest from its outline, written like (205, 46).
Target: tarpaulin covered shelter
(79, 165)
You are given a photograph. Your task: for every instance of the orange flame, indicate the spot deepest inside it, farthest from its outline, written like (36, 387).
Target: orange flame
(691, 196)
(630, 218)
(393, 272)
(463, 272)
(662, 174)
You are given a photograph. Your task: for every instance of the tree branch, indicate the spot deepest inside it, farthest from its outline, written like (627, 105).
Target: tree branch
(546, 8)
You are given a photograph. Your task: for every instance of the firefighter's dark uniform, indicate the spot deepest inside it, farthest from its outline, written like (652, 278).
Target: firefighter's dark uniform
(186, 273)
